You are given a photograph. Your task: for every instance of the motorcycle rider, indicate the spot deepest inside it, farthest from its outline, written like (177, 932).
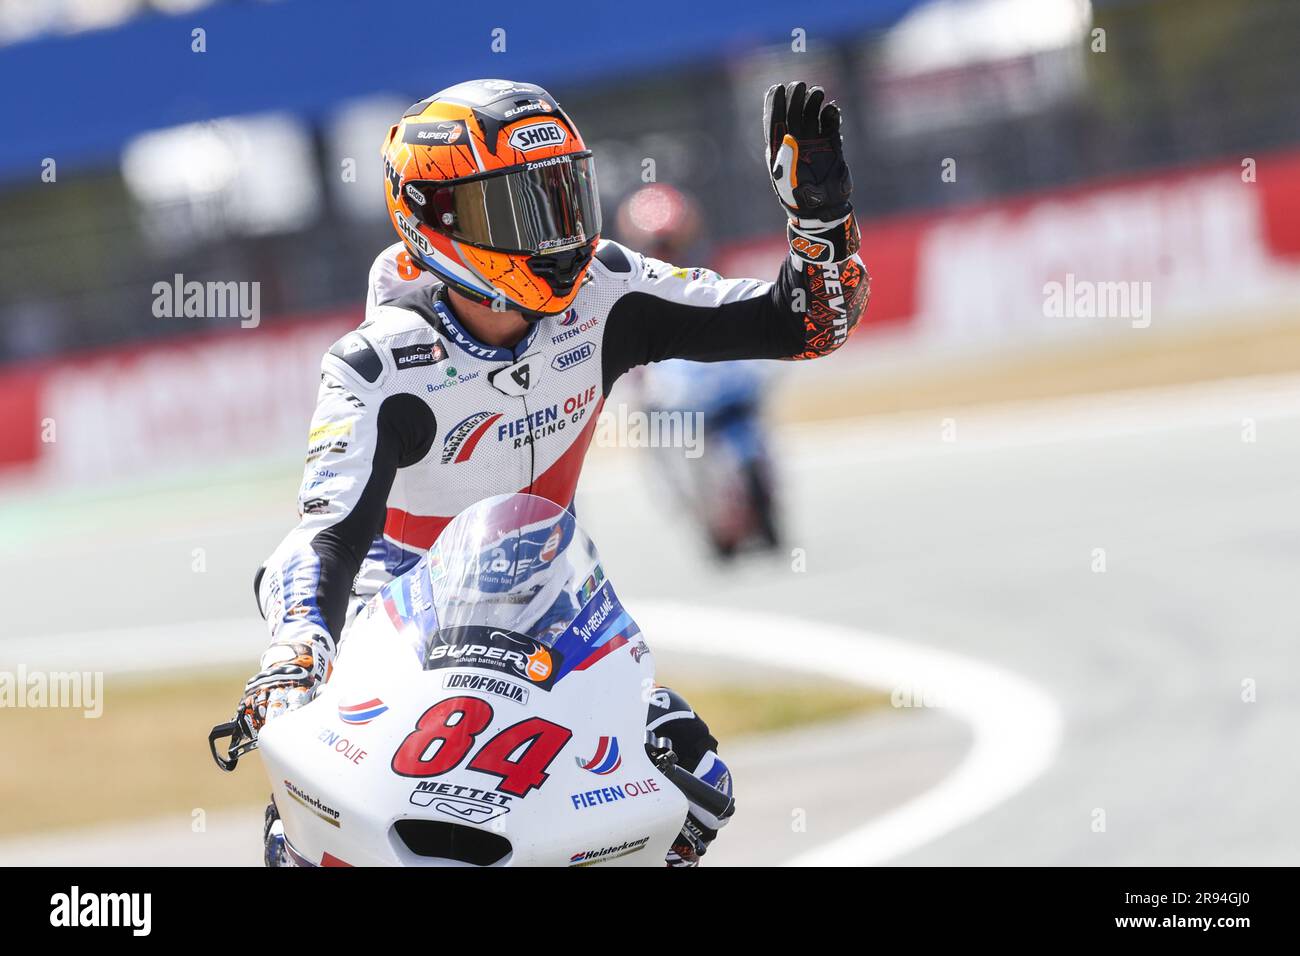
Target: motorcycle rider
(494, 331)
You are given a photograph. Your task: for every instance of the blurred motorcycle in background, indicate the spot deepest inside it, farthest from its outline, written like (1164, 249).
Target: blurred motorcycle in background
(729, 488)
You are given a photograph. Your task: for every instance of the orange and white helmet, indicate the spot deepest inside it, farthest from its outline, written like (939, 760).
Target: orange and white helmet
(493, 190)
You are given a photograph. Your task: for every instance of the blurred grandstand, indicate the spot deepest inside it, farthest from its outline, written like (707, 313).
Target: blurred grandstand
(237, 141)
(228, 164)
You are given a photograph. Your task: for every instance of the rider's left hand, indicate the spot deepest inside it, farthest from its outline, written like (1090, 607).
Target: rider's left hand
(805, 154)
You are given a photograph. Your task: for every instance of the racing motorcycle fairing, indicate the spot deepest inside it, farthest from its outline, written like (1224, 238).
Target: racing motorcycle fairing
(486, 708)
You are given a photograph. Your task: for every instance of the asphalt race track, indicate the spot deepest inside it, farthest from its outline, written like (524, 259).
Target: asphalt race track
(1131, 557)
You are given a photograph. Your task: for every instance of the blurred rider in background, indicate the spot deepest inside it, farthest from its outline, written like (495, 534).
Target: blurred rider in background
(729, 488)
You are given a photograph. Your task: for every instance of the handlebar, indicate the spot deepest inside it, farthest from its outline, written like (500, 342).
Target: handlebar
(698, 792)
(695, 790)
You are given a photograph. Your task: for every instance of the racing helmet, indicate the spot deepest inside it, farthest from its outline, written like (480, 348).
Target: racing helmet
(492, 189)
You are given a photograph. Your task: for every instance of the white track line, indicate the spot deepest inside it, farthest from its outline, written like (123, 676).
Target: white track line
(1016, 725)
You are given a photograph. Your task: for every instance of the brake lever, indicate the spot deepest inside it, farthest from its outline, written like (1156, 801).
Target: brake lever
(243, 740)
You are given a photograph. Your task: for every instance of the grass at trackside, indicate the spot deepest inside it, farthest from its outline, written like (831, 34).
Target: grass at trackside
(1132, 359)
(147, 755)
(738, 710)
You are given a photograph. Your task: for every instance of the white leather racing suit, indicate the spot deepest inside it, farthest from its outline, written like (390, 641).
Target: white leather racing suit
(416, 420)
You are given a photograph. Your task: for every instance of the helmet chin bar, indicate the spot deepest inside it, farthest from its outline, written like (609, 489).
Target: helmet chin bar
(559, 270)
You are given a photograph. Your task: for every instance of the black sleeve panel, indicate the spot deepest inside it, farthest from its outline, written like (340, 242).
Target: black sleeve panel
(406, 431)
(644, 328)
(359, 355)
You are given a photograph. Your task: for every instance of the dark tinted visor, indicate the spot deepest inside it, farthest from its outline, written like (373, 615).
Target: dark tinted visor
(547, 206)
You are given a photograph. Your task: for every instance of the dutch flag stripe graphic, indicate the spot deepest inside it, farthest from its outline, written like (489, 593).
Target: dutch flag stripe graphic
(606, 759)
(361, 713)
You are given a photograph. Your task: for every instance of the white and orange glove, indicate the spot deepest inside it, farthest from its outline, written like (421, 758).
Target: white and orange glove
(805, 156)
(291, 672)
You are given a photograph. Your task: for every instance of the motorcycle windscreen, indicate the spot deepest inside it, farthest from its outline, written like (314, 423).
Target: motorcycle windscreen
(515, 563)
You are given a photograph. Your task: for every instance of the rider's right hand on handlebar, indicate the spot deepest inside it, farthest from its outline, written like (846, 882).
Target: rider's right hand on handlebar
(290, 673)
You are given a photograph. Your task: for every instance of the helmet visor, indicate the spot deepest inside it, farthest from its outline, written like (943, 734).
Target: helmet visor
(547, 206)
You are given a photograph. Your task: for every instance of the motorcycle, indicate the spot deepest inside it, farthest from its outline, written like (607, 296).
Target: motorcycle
(729, 490)
(486, 708)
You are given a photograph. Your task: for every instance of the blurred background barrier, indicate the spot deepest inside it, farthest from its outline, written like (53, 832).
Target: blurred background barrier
(150, 408)
(1170, 251)
(1209, 245)
(1135, 155)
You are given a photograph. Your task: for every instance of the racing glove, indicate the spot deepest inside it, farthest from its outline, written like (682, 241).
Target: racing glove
(291, 672)
(805, 157)
(691, 843)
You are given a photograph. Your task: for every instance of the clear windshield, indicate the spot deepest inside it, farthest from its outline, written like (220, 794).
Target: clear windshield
(516, 563)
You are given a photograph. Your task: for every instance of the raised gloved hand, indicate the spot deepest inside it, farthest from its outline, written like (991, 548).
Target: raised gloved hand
(290, 674)
(805, 156)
